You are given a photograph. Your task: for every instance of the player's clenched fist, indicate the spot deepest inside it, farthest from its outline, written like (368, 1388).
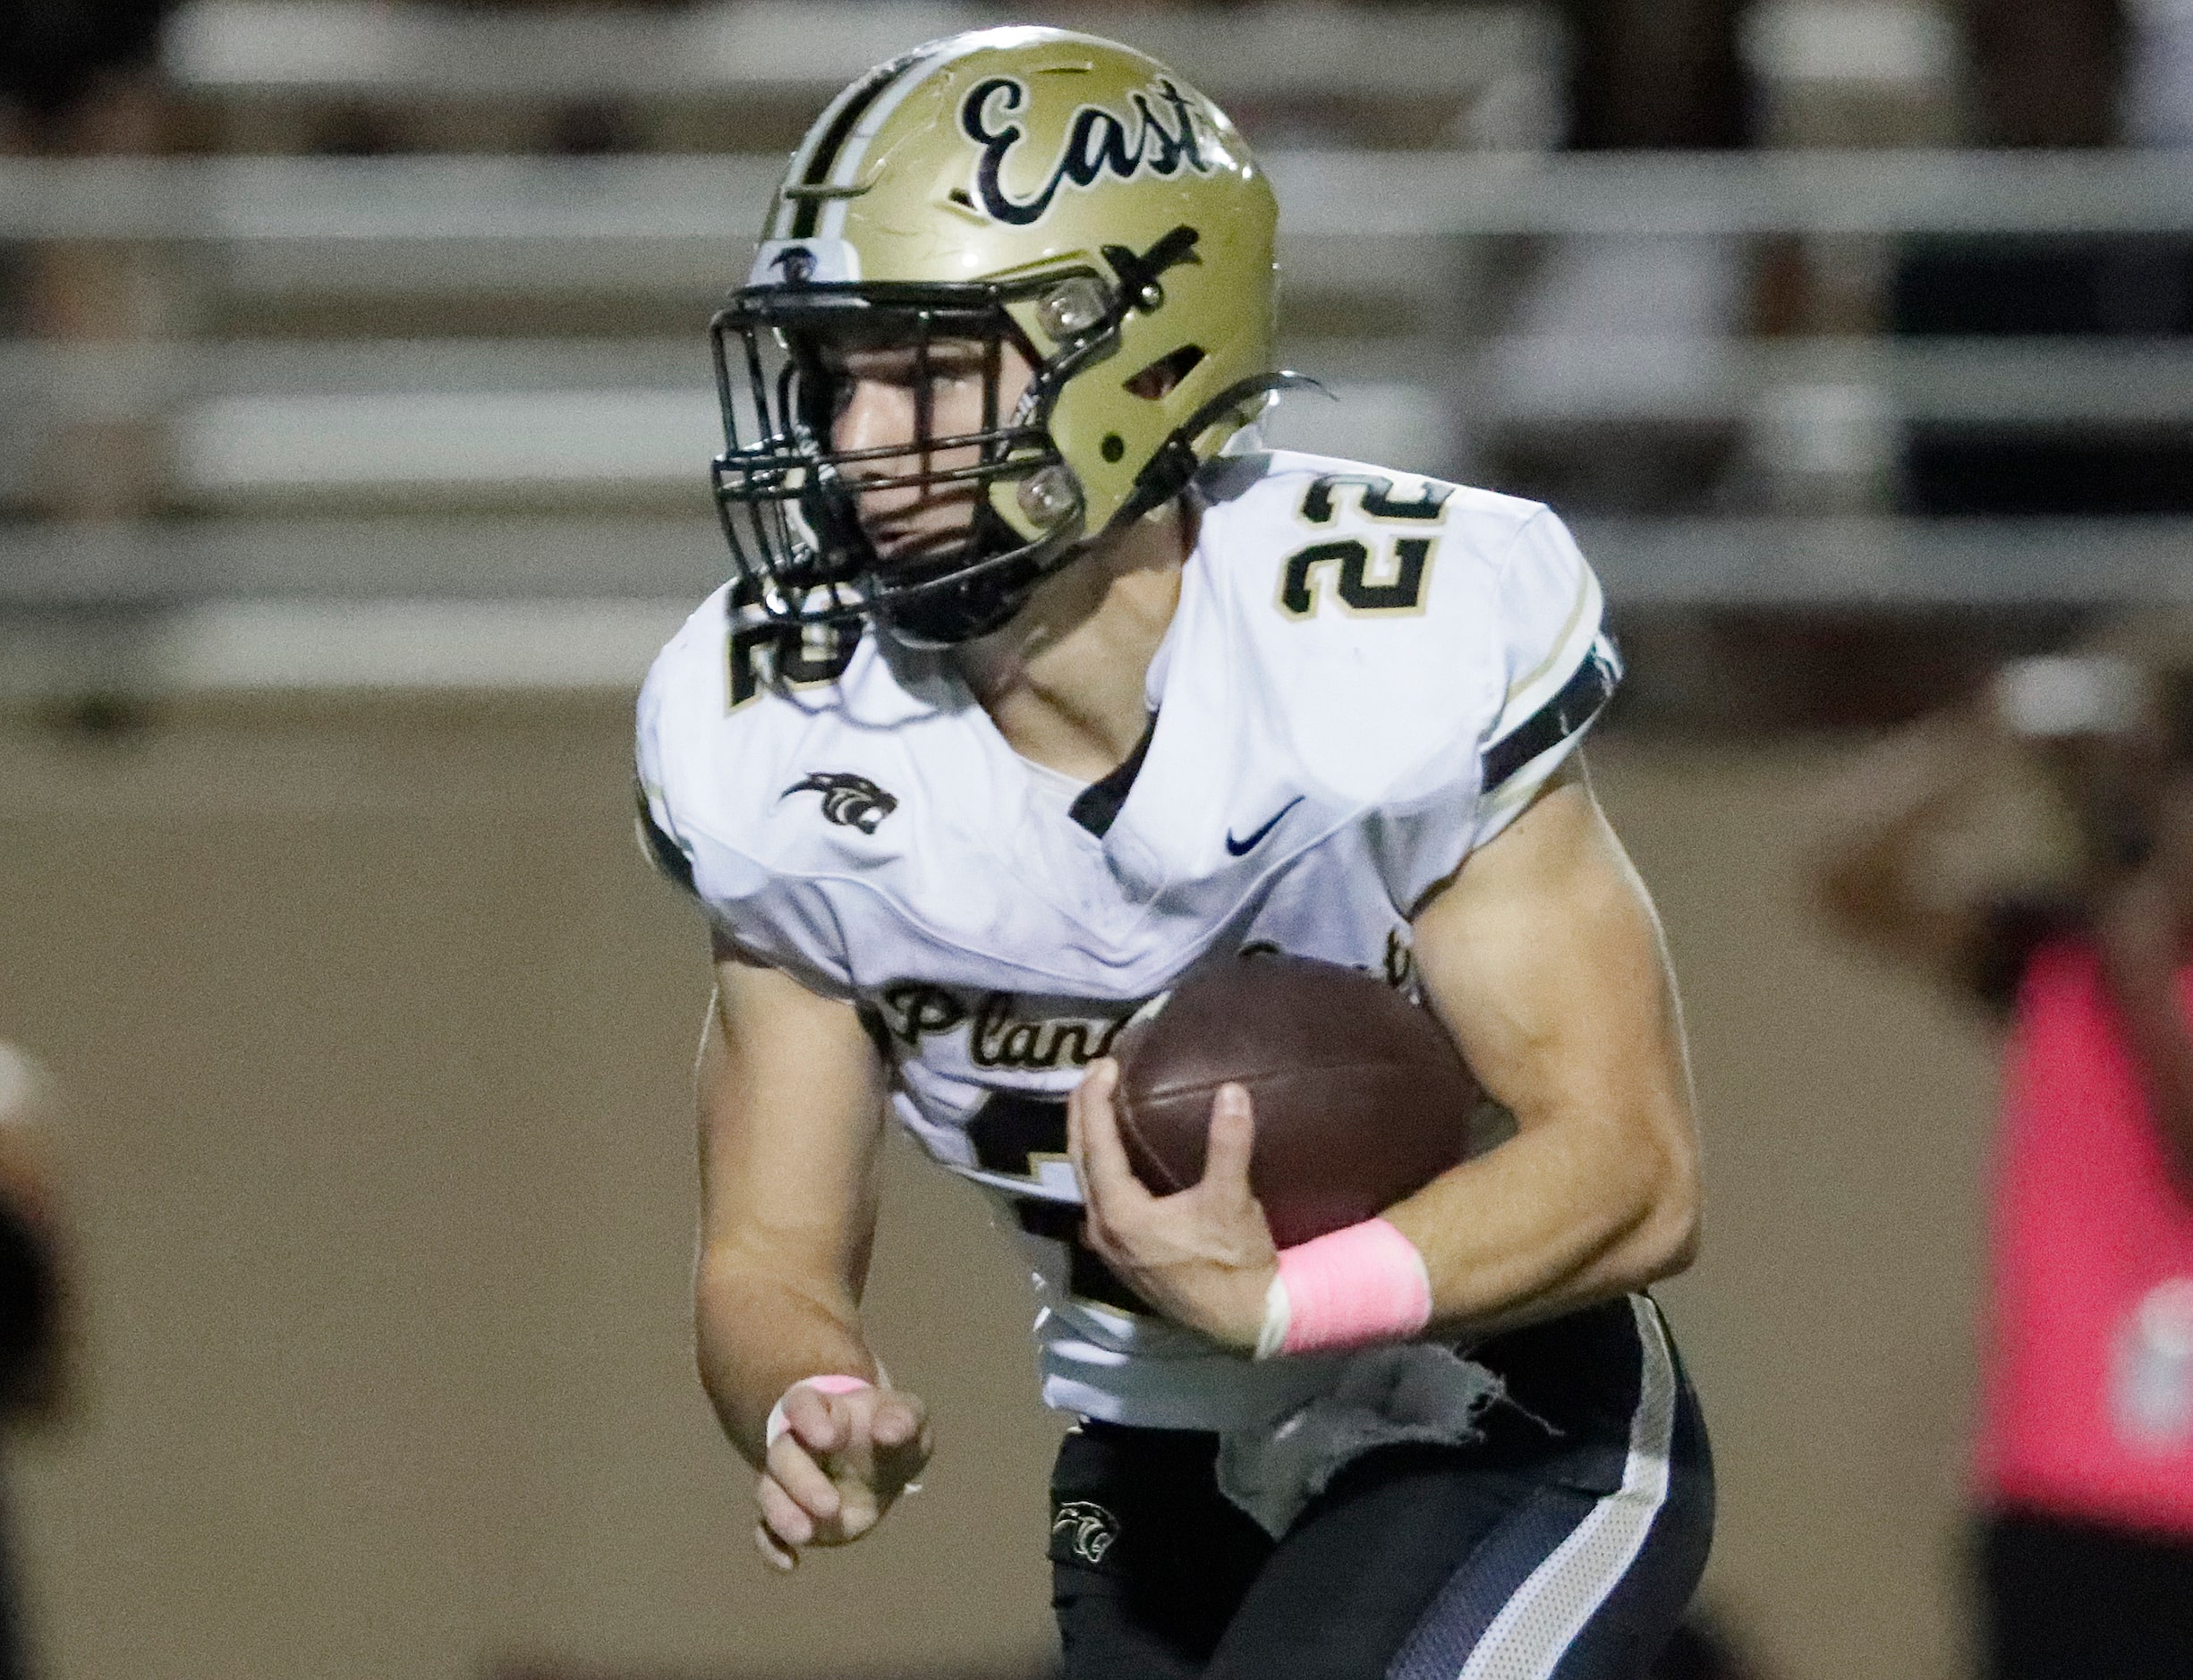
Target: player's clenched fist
(1202, 1256)
(835, 1464)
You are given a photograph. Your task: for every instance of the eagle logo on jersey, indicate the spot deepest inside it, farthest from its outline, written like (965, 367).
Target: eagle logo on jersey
(849, 800)
(1087, 1528)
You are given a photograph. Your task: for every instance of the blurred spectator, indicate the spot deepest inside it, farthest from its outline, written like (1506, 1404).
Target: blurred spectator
(1643, 75)
(2044, 72)
(2033, 850)
(78, 78)
(35, 1338)
(74, 74)
(2058, 73)
(1655, 74)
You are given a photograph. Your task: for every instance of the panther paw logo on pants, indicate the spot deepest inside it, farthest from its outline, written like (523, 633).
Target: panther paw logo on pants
(1089, 1529)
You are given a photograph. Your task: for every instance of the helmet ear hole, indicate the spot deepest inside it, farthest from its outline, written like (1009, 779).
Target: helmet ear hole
(1157, 380)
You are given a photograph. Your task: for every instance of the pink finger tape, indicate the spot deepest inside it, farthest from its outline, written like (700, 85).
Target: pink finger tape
(1348, 1288)
(830, 1383)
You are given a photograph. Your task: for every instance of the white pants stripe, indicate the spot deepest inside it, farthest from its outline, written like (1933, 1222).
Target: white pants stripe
(1536, 1628)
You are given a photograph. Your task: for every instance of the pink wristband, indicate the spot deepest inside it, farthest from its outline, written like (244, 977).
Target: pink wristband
(832, 1383)
(1347, 1288)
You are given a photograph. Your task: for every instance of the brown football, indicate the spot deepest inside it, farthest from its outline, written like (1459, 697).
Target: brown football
(1360, 1095)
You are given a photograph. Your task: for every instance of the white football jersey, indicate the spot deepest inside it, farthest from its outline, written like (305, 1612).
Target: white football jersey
(1368, 675)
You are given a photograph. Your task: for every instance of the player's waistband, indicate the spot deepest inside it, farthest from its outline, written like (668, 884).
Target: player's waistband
(1571, 1389)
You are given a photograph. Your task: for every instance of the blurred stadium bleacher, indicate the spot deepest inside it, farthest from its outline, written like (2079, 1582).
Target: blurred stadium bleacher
(414, 312)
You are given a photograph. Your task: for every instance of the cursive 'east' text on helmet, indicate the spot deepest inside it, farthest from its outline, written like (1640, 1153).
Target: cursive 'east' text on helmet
(1024, 187)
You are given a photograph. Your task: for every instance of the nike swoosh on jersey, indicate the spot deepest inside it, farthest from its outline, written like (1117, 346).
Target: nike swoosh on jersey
(1242, 848)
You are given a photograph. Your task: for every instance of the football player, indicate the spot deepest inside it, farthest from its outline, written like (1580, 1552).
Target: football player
(1037, 682)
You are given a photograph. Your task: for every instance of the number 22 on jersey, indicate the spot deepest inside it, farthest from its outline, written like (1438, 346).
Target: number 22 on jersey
(1395, 584)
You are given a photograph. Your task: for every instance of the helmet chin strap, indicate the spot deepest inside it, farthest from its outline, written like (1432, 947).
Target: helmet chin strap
(979, 598)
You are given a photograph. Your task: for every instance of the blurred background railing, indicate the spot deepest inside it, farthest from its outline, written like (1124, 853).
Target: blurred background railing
(417, 315)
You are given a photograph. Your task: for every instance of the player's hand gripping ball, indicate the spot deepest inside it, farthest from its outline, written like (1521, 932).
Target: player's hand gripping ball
(1360, 1096)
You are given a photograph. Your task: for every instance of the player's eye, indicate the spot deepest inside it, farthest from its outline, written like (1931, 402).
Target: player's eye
(943, 376)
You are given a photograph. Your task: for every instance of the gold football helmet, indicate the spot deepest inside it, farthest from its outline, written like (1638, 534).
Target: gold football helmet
(1027, 187)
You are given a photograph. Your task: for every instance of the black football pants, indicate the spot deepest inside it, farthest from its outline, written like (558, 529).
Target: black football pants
(2071, 1601)
(1564, 1546)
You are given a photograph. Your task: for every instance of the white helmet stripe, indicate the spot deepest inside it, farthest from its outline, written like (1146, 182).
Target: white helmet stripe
(818, 151)
(849, 156)
(780, 223)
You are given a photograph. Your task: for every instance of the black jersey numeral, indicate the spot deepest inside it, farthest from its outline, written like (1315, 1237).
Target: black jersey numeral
(762, 653)
(1377, 499)
(1391, 582)
(1397, 586)
(1010, 1133)
(1012, 1129)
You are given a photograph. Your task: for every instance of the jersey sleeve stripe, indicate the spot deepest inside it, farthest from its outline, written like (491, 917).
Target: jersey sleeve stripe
(844, 169)
(1579, 701)
(823, 164)
(665, 854)
(1582, 627)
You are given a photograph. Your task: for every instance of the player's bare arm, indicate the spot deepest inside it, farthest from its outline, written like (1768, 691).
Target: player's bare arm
(1544, 960)
(791, 1114)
